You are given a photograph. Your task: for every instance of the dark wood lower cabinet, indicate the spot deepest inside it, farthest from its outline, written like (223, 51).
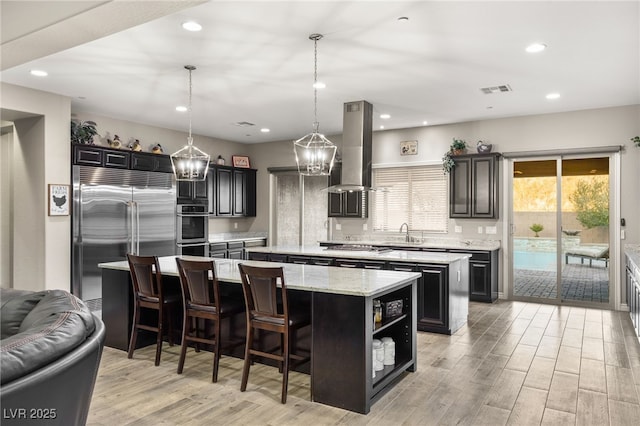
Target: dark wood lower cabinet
(433, 306)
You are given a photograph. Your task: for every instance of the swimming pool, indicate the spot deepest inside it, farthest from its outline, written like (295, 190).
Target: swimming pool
(534, 260)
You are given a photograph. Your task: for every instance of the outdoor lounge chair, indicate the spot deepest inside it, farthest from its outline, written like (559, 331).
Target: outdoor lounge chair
(590, 252)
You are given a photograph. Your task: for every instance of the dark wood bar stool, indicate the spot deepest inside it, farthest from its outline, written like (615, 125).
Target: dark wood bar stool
(201, 300)
(266, 312)
(148, 294)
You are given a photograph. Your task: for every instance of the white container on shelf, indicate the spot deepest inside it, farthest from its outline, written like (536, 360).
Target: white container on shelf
(389, 349)
(378, 360)
(373, 363)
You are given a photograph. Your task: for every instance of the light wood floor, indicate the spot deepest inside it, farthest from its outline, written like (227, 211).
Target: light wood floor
(514, 363)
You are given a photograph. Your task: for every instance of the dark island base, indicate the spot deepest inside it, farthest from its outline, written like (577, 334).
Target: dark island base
(340, 337)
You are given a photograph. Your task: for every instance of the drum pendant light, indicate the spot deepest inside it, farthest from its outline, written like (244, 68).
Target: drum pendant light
(314, 152)
(190, 163)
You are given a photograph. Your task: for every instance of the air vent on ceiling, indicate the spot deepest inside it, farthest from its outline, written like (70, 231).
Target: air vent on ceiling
(244, 124)
(496, 89)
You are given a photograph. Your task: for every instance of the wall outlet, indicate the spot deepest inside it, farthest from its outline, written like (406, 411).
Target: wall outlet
(235, 225)
(338, 227)
(479, 229)
(458, 229)
(490, 230)
(364, 227)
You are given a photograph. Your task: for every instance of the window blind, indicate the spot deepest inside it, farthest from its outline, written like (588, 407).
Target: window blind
(415, 195)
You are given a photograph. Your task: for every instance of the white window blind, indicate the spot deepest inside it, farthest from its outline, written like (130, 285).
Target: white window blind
(415, 195)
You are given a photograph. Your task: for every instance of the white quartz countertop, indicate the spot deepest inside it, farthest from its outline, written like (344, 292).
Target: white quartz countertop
(325, 279)
(236, 236)
(393, 255)
(435, 243)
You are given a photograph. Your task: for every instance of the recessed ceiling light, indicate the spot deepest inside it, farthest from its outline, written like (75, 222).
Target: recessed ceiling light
(425, 122)
(552, 96)
(319, 85)
(382, 127)
(265, 130)
(536, 47)
(181, 108)
(39, 73)
(191, 26)
(385, 116)
(403, 18)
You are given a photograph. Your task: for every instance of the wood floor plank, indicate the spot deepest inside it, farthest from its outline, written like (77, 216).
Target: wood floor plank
(521, 358)
(620, 384)
(506, 344)
(491, 416)
(623, 413)
(505, 390)
(532, 336)
(563, 393)
(540, 373)
(593, 408)
(555, 328)
(555, 417)
(593, 348)
(616, 354)
(549, 347)
(572, 337)
(490, 369)
(593, 329)
(529, 407)
(569, 359)
(593, 375)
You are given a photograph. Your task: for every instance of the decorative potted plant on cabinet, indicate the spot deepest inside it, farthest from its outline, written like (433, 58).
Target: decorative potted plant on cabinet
(82, 132)
(458, 147)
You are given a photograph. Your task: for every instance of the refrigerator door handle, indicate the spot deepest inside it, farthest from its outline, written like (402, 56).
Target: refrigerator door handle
(131, 237)
(135, 203)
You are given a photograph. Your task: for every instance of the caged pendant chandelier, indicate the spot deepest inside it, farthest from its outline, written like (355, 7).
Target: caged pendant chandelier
(190, 163)
(314, 153)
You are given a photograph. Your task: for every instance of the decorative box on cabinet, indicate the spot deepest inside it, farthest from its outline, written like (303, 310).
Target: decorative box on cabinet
(473, 186)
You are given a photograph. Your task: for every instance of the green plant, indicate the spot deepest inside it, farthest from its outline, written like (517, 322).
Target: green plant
(536, 227)
(591, 201)
(447, 162)
(458, 145)
(636, 140)
(82, 132)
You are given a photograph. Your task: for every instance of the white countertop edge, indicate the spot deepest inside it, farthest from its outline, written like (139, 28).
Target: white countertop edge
(411, 256)
(326, 279)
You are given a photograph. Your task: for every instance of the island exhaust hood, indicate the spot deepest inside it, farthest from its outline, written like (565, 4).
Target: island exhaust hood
(357, 136)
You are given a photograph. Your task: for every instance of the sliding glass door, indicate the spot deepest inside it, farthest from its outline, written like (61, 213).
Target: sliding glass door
(559, 223)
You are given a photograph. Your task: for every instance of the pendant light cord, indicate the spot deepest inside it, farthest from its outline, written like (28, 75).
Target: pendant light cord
(315, 38)
(190, 68)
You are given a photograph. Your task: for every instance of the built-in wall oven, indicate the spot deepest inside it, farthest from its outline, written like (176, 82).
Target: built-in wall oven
(192, 229)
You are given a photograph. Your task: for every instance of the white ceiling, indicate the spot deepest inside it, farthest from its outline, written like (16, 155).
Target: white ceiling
(255, 61)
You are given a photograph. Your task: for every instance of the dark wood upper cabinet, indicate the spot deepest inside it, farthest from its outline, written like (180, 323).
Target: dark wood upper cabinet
(473, 186)
(91, 155)
(234, 192)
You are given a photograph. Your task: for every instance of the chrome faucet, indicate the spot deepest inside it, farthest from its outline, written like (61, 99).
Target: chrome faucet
(402, 226)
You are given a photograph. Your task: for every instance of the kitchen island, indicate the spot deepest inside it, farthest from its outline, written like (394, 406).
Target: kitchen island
(443, 287)
(342, 322)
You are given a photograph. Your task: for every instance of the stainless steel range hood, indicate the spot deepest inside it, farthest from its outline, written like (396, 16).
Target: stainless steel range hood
(357, 135)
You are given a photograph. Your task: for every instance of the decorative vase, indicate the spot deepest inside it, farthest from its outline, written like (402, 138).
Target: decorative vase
(484, 148)
(458, 151)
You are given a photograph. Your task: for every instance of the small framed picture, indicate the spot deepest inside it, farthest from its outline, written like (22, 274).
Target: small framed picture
(240, 161)
(408, 147)
(59, 200)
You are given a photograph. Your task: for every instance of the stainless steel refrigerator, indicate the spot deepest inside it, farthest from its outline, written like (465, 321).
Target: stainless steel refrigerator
(115, 212)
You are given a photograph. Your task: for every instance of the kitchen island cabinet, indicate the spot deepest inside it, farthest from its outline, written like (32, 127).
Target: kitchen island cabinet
(342, 322)
(443, 286)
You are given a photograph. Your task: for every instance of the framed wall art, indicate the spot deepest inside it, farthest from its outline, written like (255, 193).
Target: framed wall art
(240, 161)
(408, 147)
(59, 200)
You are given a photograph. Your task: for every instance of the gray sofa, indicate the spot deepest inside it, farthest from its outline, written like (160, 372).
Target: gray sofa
(49, 356)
